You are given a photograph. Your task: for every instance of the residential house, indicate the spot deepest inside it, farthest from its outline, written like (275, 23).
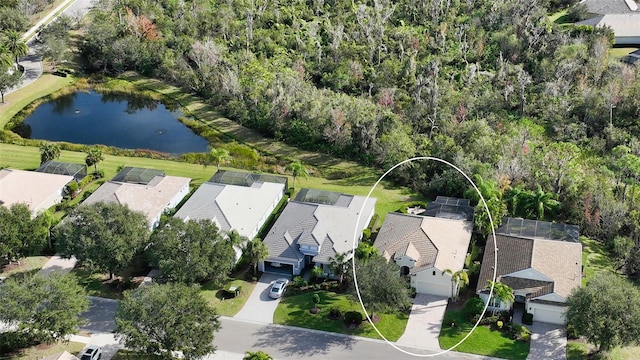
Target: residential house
(148, 191)
(622, 16)
(540, 261)
(37, 190)
(78, 171)
(431, 246)
(235, 201)
(315, 227)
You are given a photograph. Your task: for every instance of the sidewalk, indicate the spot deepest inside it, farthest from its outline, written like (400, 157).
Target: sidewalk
(58, 264)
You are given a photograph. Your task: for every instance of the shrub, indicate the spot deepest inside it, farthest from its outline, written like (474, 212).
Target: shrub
(335, 312)
(366, 234)
(353, 317)
(299, 282)
(412, 292)
(527, 318)
(72, 188)
(489, 320)
(473, 307)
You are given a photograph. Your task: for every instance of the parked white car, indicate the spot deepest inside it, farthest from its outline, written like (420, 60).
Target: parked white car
(278, 288)
(91, 352)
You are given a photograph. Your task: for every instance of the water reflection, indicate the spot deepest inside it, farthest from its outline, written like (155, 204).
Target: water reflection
(114, 119)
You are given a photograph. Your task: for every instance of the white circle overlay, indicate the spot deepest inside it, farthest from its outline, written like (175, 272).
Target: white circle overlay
(356, 237)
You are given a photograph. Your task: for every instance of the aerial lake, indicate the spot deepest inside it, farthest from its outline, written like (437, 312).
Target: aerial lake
(123, 121)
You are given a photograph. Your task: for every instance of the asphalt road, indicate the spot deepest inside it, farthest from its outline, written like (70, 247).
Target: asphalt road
(33, 63)
(282, 342)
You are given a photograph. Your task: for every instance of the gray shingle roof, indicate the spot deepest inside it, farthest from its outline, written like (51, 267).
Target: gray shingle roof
(329, 227)
(603, 7)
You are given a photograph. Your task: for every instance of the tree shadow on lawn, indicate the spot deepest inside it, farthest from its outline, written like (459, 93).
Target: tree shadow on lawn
(300, 343)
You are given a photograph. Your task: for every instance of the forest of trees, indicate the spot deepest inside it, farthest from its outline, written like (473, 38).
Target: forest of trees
(524, 104)
(493, 86)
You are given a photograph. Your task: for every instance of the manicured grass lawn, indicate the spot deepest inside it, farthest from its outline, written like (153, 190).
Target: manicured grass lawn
(227, 307)
(625, 353)
(621, 51)
(16, 101)
(389, 197)
(558, 17)
(28, 264)
(95, 284)
(577, 350)
(41, 351)
(294, 311)
(483, 340)
(595, 258)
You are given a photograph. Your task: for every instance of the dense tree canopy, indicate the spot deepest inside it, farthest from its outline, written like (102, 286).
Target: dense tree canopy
(606, 311)
(103, 236)
(380, 285)
(20, 235)
(44, 308)
(158, 319)
(191, 251)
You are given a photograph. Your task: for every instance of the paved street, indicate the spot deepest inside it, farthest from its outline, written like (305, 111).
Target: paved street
(33, 63)
(100, 315)
(284, 342)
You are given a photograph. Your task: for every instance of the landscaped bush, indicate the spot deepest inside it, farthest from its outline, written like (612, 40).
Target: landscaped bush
(488, 320)
(412, 292)
(472, 308)
(298, 282)
(517, 331)
(353, 317)
(527, 318)
(335, 312)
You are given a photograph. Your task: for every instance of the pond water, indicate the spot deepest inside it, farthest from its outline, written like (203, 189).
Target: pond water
(123, 121)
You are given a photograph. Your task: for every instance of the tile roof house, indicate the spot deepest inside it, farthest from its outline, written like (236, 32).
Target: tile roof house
(235, 201)
(540, 261)
(604, 7)
(313, 228)
(622, 16)
(426, 245)
(145, 190)
(39, 191)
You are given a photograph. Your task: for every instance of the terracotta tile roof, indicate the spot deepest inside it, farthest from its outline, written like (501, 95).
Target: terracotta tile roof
(430, 241)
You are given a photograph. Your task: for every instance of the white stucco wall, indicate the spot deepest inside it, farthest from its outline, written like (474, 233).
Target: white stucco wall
(547, 313)
(432, 281)
(503, 305)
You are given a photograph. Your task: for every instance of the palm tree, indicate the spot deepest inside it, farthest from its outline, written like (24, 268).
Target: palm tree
(502, 293)
(256, 251)
(457, 278)
(94, 156)
(339, 265)
(488, 188)
(297, 169)
(48, 152)
(6, 59)
(537, 202)
(15, 45)
(515, 199)
(256, 355)
(219, 156)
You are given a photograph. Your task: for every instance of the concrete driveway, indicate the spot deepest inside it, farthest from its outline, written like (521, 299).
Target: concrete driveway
(425, 321)
(260, 307)
(548, 341)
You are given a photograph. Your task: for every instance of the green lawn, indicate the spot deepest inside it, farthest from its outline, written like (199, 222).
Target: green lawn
(389, 197)
(294, 311)
(95, 284)
(41, 351)
(577, 350)
(580, 351)
(595, 258)
(621, 51)
(28, 264)
(227, 307)
(16, 101)
(483, 341)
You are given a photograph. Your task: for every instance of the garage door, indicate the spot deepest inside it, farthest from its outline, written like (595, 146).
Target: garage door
(424, 287)
(547, 315)
(282, 269)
